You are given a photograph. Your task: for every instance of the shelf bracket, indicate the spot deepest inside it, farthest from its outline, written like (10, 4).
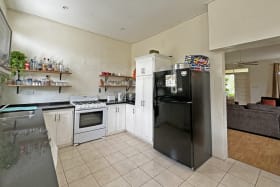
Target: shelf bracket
(127, 88)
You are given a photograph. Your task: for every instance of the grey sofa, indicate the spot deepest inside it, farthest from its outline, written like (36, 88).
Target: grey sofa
(255, 118)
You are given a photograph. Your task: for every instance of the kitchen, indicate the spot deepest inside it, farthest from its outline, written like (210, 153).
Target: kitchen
(87, 55)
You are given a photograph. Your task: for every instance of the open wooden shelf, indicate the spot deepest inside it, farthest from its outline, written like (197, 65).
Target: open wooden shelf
(41, 71)
(42, 86)
(54, 72)
(121, 76)
(112, 86)
(14, 85)
(103, 86)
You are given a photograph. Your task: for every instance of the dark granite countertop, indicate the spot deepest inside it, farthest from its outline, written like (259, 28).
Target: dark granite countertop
(117, 102)
(46, 106)
(55, 105)
(25, 153)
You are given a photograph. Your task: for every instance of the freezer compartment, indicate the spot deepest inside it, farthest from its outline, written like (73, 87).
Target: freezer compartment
(173, 83)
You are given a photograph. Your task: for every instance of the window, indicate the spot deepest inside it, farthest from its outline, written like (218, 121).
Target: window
(240, 70)
(229, 86)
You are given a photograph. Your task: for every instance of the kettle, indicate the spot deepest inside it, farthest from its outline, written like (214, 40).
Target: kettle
(120, 96)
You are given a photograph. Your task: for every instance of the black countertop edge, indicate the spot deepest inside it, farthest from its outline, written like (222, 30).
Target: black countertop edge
(55, 107)
(117, 102)
(46, 106)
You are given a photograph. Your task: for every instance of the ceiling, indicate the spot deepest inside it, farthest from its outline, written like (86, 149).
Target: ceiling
(125, 20)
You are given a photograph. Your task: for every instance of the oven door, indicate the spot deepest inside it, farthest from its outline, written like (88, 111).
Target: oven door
(88, 120)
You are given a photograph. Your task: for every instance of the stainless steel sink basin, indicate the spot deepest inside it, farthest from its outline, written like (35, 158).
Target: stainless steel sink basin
(16, 115)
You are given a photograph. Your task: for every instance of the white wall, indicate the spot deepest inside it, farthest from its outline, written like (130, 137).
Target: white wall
(260, 81)
(3, 6)
(234, 22)
(85, 53)
(192, 38)
(254, 54)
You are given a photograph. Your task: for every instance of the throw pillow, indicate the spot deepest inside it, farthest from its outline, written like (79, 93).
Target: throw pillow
(269, 102)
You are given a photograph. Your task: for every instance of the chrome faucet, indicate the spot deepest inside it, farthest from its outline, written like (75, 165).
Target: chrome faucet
(3, 107)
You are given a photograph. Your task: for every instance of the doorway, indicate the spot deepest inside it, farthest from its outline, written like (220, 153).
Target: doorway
(248, 78)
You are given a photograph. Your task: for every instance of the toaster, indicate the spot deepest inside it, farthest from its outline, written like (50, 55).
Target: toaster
(111, 98)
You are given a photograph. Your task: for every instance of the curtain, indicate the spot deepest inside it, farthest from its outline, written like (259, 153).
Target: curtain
(276, 81)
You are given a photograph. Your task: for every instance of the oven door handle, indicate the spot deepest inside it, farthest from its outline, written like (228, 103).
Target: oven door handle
(87, 111)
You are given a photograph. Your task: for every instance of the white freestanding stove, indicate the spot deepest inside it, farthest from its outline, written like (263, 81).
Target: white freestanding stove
(90, 118)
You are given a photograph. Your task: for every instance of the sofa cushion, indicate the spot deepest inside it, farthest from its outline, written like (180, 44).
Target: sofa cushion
(234, 106)
(263, 107)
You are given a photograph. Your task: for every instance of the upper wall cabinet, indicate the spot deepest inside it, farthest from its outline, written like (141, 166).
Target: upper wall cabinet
(146, 64)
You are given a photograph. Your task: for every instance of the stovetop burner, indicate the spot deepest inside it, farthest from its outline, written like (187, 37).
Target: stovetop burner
(86, 102)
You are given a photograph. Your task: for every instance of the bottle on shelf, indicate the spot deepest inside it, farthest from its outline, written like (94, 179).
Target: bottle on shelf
(40, 65)
(44, 65)
(50, 68)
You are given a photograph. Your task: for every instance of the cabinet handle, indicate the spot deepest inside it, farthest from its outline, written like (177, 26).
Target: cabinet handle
(143, 103)
(116, 109)
(133, 110)
(58, 117)
(55, 117)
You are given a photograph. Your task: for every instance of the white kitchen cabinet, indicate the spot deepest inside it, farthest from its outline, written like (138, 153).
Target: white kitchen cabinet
(48, 118)
(112, 117)
(59, 124)
(144, 108)
(64, 129)
(145, 67)
(130, 118)
(116, 118)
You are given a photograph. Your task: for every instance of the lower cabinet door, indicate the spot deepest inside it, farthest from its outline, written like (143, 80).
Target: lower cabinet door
(139, 122)
(64, 128)
(130, 118)
(121, 117)
(50, 122)
(111, 121)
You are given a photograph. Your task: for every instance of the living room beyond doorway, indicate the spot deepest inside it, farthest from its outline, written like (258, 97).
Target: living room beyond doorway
(252, 84)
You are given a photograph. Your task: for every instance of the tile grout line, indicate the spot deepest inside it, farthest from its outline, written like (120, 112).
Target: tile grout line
(227, 172)
(92, 173)
(257, 178)
(86, 166)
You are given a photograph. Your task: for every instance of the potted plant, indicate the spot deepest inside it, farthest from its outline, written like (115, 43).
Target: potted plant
(17, 61)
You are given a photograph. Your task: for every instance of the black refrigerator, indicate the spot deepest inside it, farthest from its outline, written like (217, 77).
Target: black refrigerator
(182, 118)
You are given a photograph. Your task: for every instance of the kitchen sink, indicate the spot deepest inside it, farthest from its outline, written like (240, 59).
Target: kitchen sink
(16, 115)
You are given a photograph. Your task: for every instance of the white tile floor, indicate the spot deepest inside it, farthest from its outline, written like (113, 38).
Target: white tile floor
(122, 160)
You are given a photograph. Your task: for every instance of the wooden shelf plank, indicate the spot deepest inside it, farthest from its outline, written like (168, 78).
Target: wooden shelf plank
(14, 85)
(121, 76)
(53, 72)
(102, 86)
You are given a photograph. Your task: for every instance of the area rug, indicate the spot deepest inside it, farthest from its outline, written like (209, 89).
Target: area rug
(261, 152)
